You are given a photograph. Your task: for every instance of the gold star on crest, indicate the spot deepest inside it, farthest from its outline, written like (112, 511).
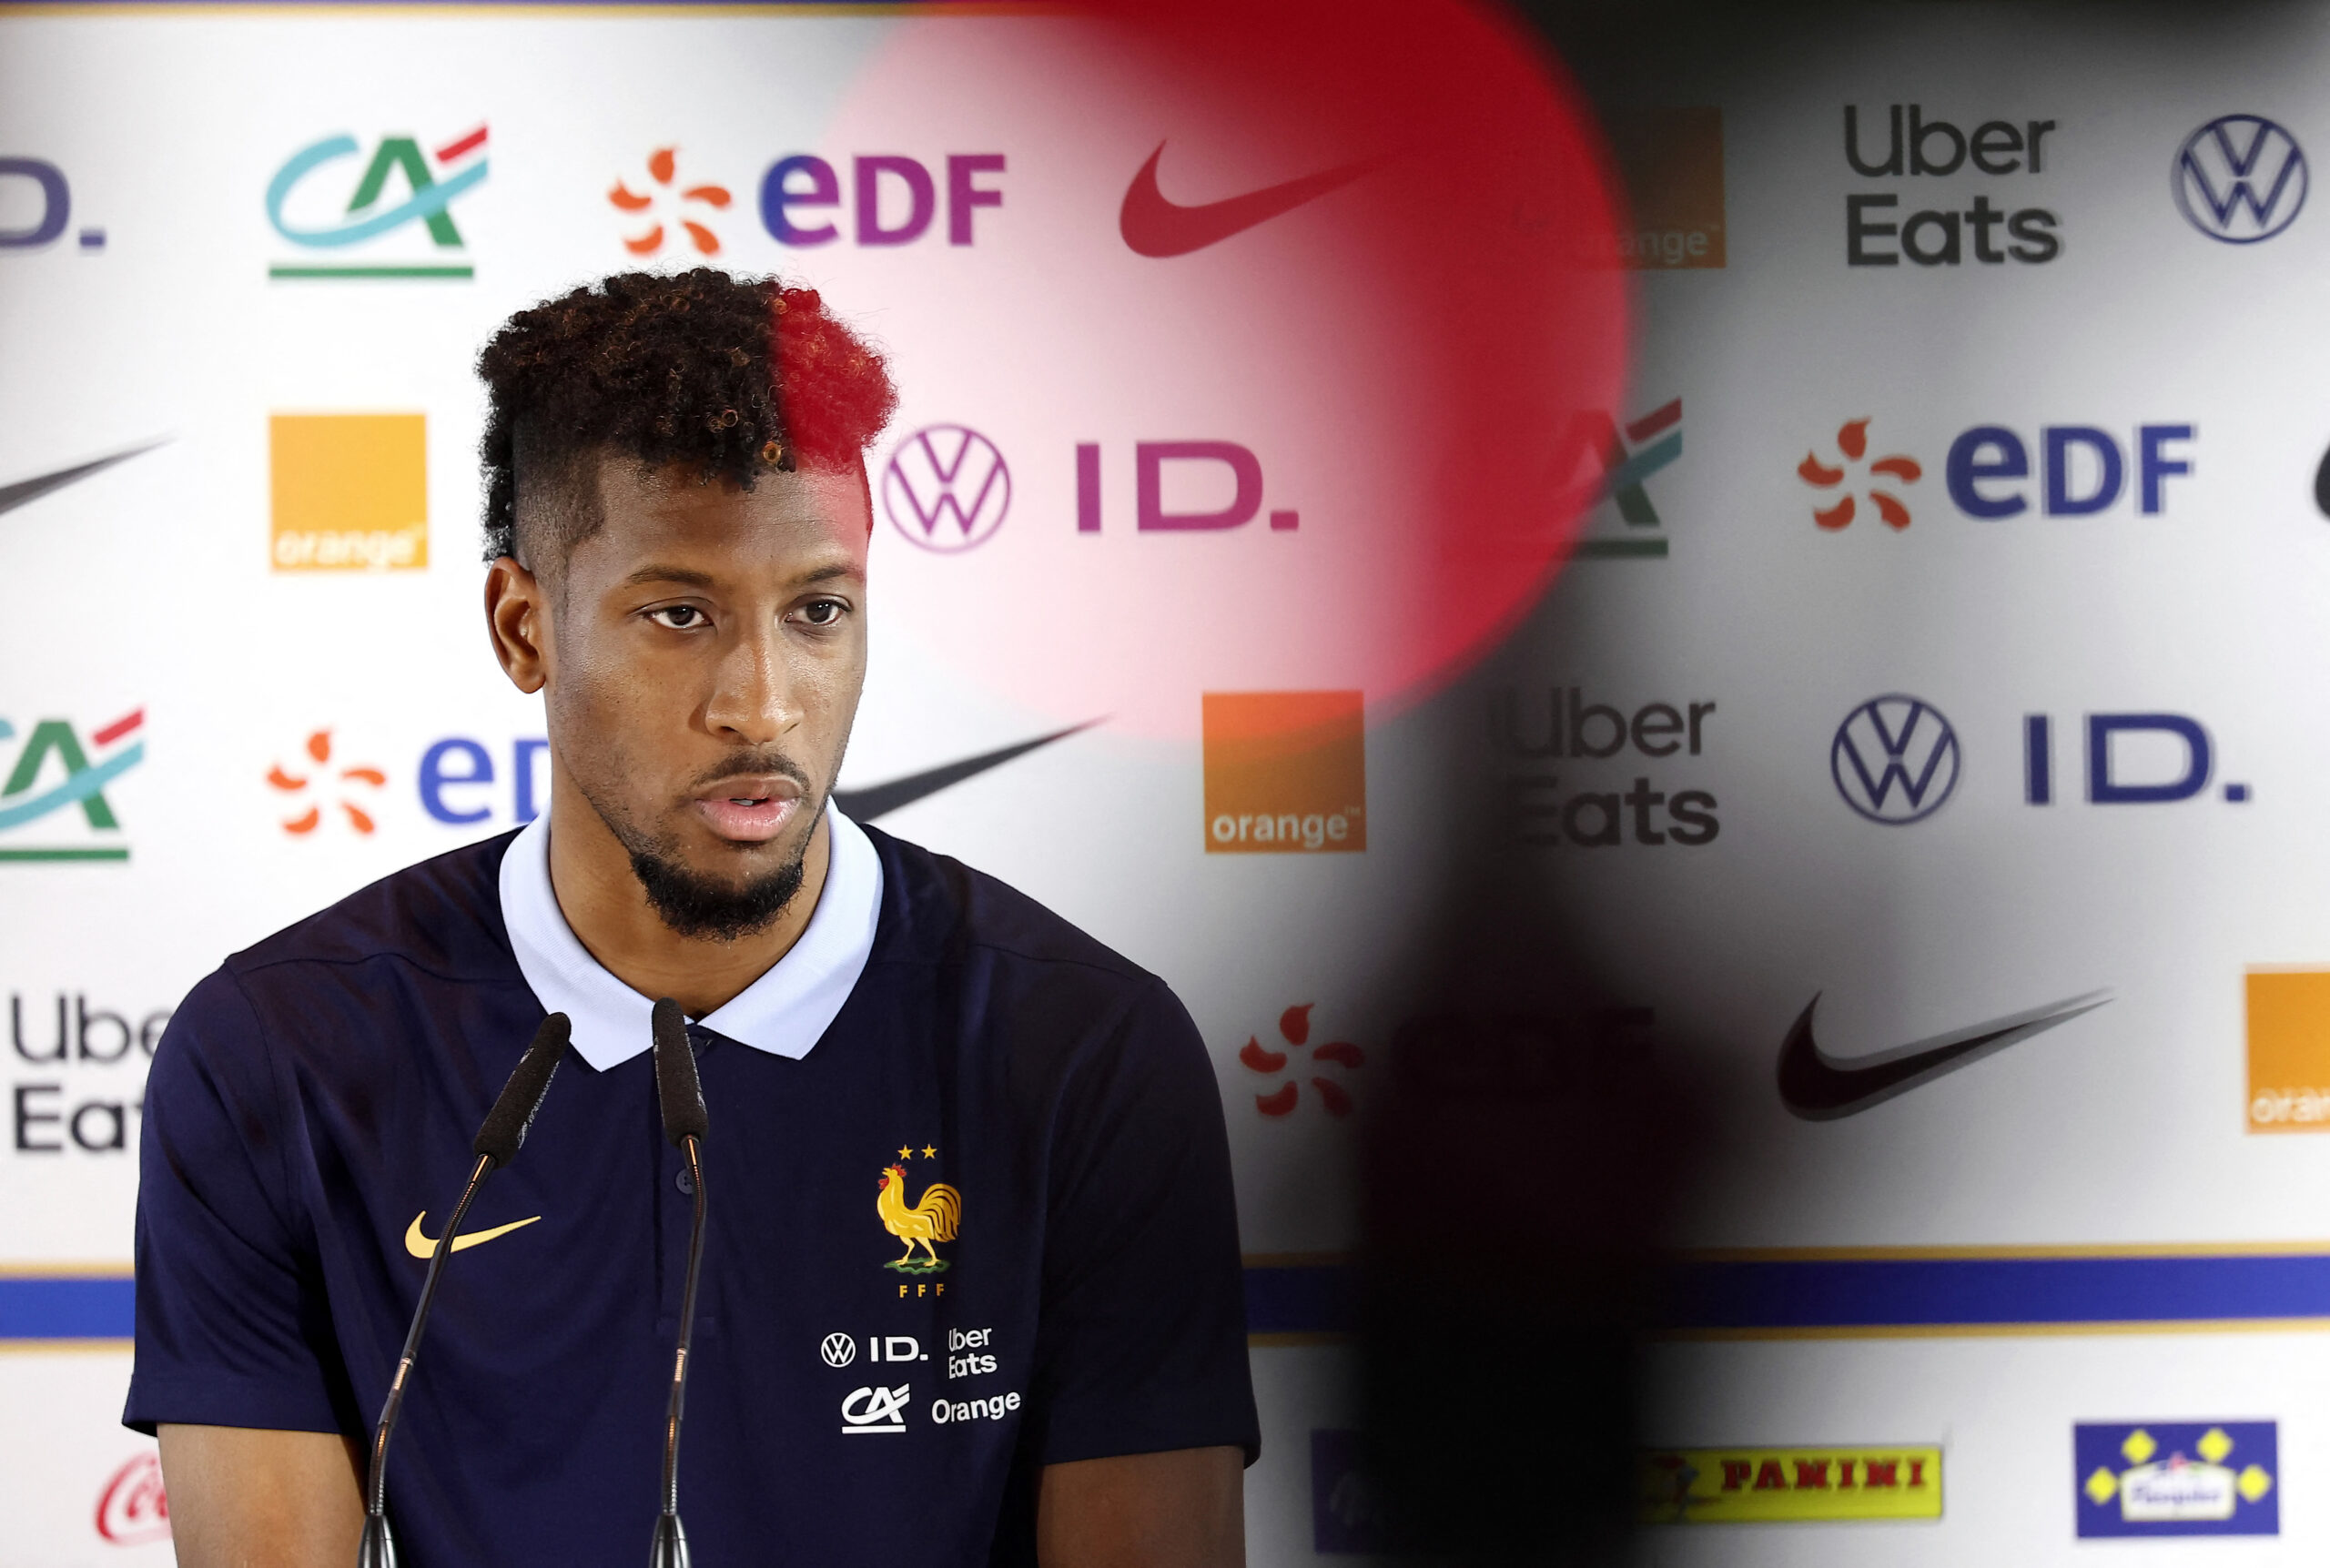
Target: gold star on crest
(906, 1154)
(929, 1152)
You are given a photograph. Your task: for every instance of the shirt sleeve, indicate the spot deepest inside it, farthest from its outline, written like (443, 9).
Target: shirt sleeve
(233, 1328)
(1142, 1341)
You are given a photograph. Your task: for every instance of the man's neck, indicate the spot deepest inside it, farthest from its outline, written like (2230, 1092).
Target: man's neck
(607, 910)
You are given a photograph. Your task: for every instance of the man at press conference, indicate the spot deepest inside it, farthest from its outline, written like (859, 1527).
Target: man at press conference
(895, 1052)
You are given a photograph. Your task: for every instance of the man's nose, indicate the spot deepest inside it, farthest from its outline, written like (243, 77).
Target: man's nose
(752, 697)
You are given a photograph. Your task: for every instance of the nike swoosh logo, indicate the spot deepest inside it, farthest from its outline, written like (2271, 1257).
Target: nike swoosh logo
(1819, 1087)
(422, 1247)
(24, 491)
(876, 800)
(1153, 225)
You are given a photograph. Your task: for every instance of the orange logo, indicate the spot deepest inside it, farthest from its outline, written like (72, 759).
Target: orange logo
(1294, 1029)
(1285, 772)
(662, 166)
(306, 786)
(1672, 161)
(1852, 440)
(2289, 1050)
(350, 492)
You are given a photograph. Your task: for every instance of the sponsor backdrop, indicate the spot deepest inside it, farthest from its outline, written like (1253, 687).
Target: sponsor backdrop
(1160, 531)
(1922, 754)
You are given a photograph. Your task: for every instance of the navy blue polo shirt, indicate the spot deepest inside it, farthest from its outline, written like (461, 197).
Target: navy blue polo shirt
(981, 1224)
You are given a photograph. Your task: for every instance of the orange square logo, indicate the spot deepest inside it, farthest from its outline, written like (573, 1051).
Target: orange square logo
(2289, 1050)
(1285, 772)
(1672, 162)
(350, 492)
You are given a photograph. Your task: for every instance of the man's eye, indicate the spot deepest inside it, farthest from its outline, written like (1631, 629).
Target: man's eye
(679, 617)
(822, 612)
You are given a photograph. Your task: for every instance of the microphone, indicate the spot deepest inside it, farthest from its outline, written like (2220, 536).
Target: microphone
(681, 1095)
(496, 1145)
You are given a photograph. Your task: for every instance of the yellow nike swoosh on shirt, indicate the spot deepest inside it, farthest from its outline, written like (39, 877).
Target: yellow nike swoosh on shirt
(422, 1247)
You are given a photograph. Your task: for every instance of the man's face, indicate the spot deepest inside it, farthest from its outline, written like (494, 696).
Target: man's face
(707, 649)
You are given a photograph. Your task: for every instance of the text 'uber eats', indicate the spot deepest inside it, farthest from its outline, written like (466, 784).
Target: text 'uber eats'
(1577, 803)
(1880, 229)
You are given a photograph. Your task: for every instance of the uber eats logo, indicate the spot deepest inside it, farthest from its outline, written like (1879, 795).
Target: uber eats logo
(87, 1066)
(1592, 775)
(1938, 225)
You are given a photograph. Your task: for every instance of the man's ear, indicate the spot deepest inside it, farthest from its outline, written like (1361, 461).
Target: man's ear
(517, 617)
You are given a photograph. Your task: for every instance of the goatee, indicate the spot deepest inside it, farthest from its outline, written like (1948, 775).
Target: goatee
(696, 906)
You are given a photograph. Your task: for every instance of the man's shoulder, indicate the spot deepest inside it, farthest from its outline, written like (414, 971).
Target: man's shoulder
(442, 915)
(324, 987)
(940, 909)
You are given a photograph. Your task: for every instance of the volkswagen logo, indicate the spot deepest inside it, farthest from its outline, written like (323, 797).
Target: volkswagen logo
(839, 1350)
(2240, 178)
(946, 489)
(1895, 760)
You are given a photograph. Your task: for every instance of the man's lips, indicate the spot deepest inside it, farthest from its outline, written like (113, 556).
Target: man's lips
(749, 811)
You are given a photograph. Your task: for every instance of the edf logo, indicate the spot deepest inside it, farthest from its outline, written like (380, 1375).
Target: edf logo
(893, 200)
(53, 209)
(2081, 470)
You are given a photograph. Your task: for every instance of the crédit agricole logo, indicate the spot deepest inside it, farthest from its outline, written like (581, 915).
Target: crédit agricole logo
(395, 222)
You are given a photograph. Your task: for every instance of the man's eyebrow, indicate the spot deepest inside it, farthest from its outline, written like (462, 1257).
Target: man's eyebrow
(691, 577)
(656, 574)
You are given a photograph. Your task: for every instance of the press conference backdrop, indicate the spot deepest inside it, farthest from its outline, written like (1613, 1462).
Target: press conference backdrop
(1924, 748)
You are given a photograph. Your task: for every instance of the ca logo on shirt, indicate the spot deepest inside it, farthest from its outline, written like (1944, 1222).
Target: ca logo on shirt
(935, 1217)
(875, 1409)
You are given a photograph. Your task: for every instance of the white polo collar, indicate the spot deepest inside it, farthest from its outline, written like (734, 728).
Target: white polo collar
(784, 1012)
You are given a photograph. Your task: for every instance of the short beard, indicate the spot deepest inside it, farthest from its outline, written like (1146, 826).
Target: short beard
(697, 907)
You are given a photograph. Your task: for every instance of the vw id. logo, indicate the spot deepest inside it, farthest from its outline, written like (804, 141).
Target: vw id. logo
(2240, 178)
(1895, 760)
(946, 489)
(839, 1350)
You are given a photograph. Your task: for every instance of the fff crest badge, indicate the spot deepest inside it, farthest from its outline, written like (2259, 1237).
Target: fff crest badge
(934, 1216)
(2177, 1478)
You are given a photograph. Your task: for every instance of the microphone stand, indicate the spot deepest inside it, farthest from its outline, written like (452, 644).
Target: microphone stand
(378, 1548)
(497, 1144)
(680, 1092)
(671, 1541)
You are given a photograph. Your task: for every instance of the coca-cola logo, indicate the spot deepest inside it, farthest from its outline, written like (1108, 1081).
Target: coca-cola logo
(132, 1510)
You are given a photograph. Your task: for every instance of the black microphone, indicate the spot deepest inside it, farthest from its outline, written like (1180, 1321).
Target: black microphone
(497, 1144)
(681, 1094)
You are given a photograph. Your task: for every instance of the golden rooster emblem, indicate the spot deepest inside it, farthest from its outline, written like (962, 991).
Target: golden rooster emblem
(934, 1218)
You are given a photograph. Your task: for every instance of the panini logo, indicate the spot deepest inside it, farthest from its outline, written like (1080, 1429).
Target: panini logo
(1778, 1486)
(350, 492)
(2289, 1050)
(1285, 772)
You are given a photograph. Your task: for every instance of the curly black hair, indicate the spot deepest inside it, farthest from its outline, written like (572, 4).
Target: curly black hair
(735, 377)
